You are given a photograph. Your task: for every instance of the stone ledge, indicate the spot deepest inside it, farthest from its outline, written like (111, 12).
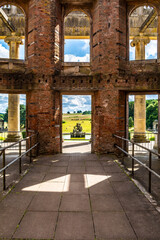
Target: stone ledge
(12, 65)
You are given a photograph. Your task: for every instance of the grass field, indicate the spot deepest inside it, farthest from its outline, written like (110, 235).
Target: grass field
(70, 120)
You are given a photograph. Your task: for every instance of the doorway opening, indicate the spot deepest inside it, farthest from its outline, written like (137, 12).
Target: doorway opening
(12, 119)
(143, 120)
(76, 123)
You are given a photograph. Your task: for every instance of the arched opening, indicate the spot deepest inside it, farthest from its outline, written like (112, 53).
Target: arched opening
(143, 33)
(77, 37)
(12, 32)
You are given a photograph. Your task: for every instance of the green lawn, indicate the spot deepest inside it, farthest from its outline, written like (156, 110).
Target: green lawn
(70, 120)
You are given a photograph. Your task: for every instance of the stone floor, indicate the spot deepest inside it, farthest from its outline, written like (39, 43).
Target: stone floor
(142, 175)
(77, 196)
(76, 147)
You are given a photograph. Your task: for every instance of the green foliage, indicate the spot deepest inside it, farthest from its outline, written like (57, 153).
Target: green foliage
(131, 109)
(79, 111)
(86, 112)
(63, 121)
(151, 112)
(131, 122)
(6, 115)
(23, 115)
(1, 116)
(152, 139)
(68, 112)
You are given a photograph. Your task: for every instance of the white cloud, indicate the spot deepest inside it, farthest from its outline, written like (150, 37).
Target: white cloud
(86, 44)
(4, 53)
(73, 58)
(148, 97)
(151, 50)
(4, 101)
(76, 102)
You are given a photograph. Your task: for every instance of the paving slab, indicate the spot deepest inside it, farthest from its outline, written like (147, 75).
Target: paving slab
(55, 177)
(94, 200)
(146, 224)
(75, 226)
(19, 201)
(112, 225)
(9, 220)
(46, 202)
(37, 225)
(54, 169)
(77, 169)
(75, 188)
(78, 203)
(77, 177)
(104, 203)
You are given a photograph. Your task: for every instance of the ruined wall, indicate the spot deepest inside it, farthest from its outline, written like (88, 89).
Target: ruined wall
(43, 77)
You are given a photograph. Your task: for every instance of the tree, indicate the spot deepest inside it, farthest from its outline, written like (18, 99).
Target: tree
(1, 116)
(131, 109)
(68, 112)
(23, 115)
(151, 113)
(131, 122)
(86, 112)
(79, 111)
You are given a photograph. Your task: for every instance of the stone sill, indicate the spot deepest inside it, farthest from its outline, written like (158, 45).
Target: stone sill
(149, 61)
(6, 60)
(75, 64)
(12, 65)
(76, 68)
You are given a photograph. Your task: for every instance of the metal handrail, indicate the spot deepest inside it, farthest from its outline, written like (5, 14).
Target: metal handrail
(13, 144)
(135, 159)
(20, 155)
(127, 140)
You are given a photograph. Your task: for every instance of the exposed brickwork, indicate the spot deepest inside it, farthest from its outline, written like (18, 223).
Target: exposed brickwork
(42, 77)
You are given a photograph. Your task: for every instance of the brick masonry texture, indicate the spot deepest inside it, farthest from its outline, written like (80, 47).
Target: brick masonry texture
(112, 76)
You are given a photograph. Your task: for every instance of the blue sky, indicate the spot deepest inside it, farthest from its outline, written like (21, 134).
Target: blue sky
(148, 97)
(4, 101)
(76, 50)
(4, 50)
(73, 103)
(150, 51)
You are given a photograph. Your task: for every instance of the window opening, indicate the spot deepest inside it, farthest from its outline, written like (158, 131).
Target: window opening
(12, 32)
(77, 37)
(143, 33)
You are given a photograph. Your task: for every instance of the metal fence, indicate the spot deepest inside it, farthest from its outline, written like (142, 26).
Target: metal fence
(6, 139)
(32, 143)
(150, 141)
(122, 146)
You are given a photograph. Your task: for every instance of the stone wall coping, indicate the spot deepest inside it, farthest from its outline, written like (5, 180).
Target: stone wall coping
(149, 61)
(74, 64)
(14, 61)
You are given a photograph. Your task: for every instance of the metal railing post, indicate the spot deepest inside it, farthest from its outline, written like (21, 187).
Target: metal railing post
(133, 159)
(37, 149)
(20, 160)
(4, 171)
(30, 145)
(150, 174)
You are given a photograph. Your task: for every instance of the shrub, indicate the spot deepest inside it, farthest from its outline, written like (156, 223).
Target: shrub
(152, 139)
